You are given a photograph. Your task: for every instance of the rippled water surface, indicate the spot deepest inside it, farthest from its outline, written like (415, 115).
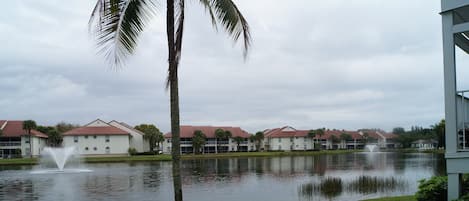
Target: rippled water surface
(328, 177)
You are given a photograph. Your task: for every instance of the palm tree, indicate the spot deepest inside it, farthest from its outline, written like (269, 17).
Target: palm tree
(219, 134)
(259, 137)
(198, 141)
(311, 135)
(227, 137)
(238, 140)
(320, 132)
(253, 139)
(159, 139)
(344, 137)
(119, 23)
(29, 125)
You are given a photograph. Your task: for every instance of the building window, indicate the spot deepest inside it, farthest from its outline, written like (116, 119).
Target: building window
(95, 148)
(75, 138)
(279, 147)
(27, 139)
(279, 139)
(107, 138)
(94, 136)
(108, 150)
(86, 148)
(86, 137)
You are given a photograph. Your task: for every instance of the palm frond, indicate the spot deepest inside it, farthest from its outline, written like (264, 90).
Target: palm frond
(231, 19)
(117, 24)
(208, 7)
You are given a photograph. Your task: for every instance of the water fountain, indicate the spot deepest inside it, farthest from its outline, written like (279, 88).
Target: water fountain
(371, 148)
(59, 157)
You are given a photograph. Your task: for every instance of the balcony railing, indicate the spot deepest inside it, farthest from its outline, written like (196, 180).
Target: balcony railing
(462, 110)
(10, 144)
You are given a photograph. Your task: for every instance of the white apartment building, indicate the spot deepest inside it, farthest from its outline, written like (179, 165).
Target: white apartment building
(101, 138)
(289, 139)
(16, 142)
(224, 145)
(136, 137)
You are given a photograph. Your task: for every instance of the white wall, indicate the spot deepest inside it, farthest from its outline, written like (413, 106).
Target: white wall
(166, 147)
(118, 144)
(38, 145)
(136, 141)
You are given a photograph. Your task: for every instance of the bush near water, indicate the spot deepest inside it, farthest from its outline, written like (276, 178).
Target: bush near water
(436, 189)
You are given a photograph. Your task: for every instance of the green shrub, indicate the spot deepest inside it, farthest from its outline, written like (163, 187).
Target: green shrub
(132, 151)
(433, 189)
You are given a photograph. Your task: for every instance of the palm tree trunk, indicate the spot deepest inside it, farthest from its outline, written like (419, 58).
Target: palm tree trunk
(174, 100)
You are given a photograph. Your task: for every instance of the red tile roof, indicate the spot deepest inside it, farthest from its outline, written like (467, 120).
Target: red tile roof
(372, 134)
(389, 135)
(15, 129)
(209, 131)
(280, 132)
(96, 130)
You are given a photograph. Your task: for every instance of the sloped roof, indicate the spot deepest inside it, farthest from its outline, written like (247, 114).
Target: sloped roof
(102, 130)
(354, 134)
(389, 135)
(15, 129)
(127, 126)
(209, 131)
(283, 132)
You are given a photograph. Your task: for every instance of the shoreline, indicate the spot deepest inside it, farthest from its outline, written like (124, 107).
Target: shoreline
(167, 157)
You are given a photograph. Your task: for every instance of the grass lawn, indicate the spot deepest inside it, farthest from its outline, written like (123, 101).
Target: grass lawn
(18, 161)
(398, 198)
(166, 157)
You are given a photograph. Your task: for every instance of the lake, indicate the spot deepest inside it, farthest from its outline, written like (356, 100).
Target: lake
(352, 176)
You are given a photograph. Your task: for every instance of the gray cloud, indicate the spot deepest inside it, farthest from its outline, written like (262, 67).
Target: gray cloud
(339, 64)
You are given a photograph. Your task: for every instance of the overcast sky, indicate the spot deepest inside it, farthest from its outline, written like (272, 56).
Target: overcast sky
(345, 64)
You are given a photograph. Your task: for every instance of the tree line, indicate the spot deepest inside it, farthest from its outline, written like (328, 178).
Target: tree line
(434, 132)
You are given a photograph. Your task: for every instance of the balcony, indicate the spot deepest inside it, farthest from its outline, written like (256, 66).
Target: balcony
(462, 119)
(10, 144)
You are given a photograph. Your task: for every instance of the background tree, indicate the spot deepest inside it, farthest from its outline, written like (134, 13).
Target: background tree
(198, 141)
(439, 130)
(150, 133)
(311, 136)
(238, 140)
(63, 127)
(54, 138)
(259, 136)
(398, 130)
(29, 125)
(119, 24)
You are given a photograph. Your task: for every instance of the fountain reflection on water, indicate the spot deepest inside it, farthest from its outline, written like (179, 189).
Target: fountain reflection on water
(59, 157)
